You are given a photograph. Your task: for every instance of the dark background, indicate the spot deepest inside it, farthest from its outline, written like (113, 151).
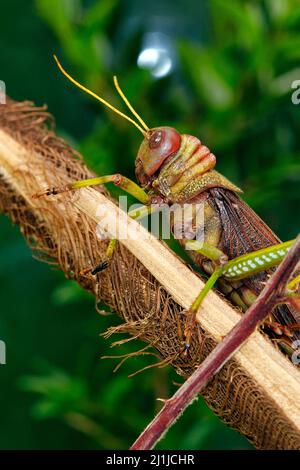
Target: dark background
(216, 69)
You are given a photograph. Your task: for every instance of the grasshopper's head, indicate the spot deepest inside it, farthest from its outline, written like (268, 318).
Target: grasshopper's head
(160, 144)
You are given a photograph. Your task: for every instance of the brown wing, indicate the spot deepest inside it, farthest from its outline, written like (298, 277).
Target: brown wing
(243, 231)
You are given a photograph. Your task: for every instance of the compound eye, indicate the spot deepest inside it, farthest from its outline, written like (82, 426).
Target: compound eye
(155, 140)
(163, 142)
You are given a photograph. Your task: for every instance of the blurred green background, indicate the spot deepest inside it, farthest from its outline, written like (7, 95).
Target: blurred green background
(219, 70)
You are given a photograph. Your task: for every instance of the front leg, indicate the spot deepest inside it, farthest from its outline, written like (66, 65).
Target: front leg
(121, 181)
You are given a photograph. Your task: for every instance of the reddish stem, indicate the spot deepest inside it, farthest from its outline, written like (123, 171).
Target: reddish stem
(249, 322)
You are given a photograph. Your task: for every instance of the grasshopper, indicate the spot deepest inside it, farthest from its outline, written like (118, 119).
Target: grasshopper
(237, 249)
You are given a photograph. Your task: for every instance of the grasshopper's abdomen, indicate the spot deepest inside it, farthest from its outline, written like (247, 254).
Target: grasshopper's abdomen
(230, 225)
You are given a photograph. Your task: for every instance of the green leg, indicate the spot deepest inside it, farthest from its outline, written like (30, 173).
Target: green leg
(134, 214)
(209, 251)
(104, 264)
(220, 259)
(294, 283)
(124, 183)
(235, 269)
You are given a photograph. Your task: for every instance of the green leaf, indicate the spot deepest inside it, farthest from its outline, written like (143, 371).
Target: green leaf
(59, 14)
(213, 76)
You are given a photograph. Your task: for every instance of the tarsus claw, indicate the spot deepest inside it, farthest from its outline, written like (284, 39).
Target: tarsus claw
(100, 267)
(52, 191)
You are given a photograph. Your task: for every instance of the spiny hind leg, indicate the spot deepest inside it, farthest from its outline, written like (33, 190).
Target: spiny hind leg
(236, 269)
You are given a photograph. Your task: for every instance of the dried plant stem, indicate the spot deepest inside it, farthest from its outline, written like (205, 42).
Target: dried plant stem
(256, 392)
(256, 314)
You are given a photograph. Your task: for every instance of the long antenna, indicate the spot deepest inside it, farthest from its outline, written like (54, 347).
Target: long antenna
(129, 105)
(86, 90)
